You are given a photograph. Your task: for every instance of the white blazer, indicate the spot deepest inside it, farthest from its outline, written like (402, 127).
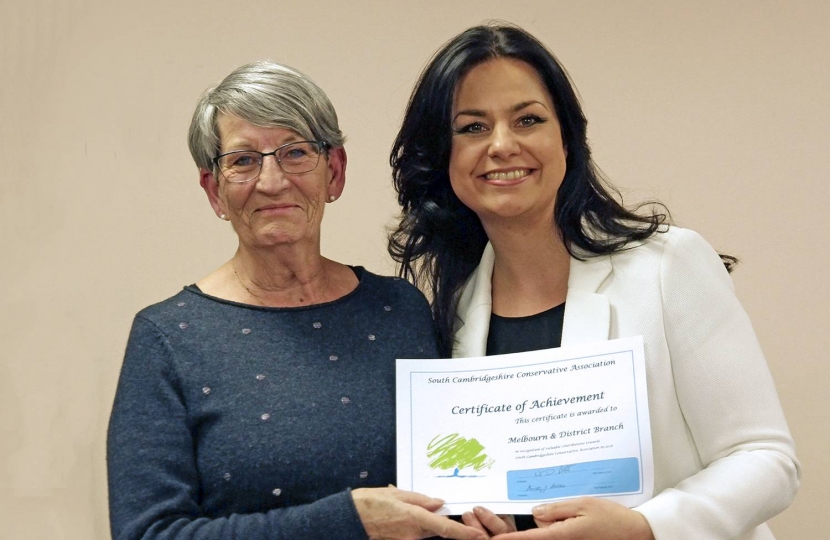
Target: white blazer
(724, 459)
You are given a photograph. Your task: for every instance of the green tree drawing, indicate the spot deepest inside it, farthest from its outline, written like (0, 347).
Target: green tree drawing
(454, 451)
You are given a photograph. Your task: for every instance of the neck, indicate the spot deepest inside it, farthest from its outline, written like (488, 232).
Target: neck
(287, 277)
(530, 273)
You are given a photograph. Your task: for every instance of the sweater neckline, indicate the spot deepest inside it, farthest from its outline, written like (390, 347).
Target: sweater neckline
(359, 271)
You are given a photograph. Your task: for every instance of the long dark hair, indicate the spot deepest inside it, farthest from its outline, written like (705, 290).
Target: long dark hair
(439, 241)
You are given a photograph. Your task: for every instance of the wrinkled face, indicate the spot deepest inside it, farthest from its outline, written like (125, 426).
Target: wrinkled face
(507, 159)
(276, 208)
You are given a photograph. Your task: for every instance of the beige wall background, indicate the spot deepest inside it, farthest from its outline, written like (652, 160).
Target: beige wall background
(720, 109)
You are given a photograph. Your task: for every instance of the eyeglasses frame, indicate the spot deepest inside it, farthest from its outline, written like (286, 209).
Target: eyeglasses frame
(323, 145)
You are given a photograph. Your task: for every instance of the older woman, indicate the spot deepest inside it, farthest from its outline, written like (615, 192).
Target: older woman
(259, 402)
(509, 226)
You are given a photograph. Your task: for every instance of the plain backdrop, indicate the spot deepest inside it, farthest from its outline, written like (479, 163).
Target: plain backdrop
(719, 109)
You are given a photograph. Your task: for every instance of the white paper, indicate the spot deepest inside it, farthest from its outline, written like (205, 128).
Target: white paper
(511, 431)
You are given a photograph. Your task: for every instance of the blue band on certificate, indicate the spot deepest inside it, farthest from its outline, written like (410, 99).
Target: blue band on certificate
(589, 478)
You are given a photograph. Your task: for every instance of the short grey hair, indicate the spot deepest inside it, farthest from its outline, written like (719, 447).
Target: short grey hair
(265, 94)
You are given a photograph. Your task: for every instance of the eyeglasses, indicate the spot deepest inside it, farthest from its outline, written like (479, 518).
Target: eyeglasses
(293, 158)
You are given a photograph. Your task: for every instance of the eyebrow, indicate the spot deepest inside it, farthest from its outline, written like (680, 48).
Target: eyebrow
(480, 113)
(244, 145)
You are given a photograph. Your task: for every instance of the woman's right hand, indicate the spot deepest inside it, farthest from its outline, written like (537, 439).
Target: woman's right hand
(394, 514)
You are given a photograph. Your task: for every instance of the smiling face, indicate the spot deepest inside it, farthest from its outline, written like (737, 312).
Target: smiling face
(276, 208)
(507, 159)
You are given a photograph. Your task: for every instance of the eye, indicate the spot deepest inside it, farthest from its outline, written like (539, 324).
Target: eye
(239, 160)
(295, 152)
(242, 160)
(529, 120)
(475, 127)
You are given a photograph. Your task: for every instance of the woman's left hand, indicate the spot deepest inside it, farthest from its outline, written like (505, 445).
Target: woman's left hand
(586, 518)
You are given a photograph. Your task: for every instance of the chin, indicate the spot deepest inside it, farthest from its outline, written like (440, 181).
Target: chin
(279, 237)
(504, 211)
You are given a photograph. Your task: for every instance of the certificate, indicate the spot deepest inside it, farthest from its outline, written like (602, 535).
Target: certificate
(511, 431)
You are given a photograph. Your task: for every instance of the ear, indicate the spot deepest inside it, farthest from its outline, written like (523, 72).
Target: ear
(210, 184)
(337, 172)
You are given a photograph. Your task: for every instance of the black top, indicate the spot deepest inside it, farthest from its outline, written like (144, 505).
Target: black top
(521, 334)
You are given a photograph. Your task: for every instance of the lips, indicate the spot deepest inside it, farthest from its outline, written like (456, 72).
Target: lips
(276, 207)
(507, 177)
(514, 174)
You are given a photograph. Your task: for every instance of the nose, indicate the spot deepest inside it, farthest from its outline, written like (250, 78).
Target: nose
(503, 143)
(271, 177)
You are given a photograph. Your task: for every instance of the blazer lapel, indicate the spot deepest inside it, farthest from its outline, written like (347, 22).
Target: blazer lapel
(474, 308)
(587, 313)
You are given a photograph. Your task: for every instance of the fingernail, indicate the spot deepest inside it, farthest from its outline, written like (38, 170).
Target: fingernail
(478, 510)
(537, 510)
(442, 501)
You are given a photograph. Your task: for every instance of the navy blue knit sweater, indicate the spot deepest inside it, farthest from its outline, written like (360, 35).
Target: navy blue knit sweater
(244, 422)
